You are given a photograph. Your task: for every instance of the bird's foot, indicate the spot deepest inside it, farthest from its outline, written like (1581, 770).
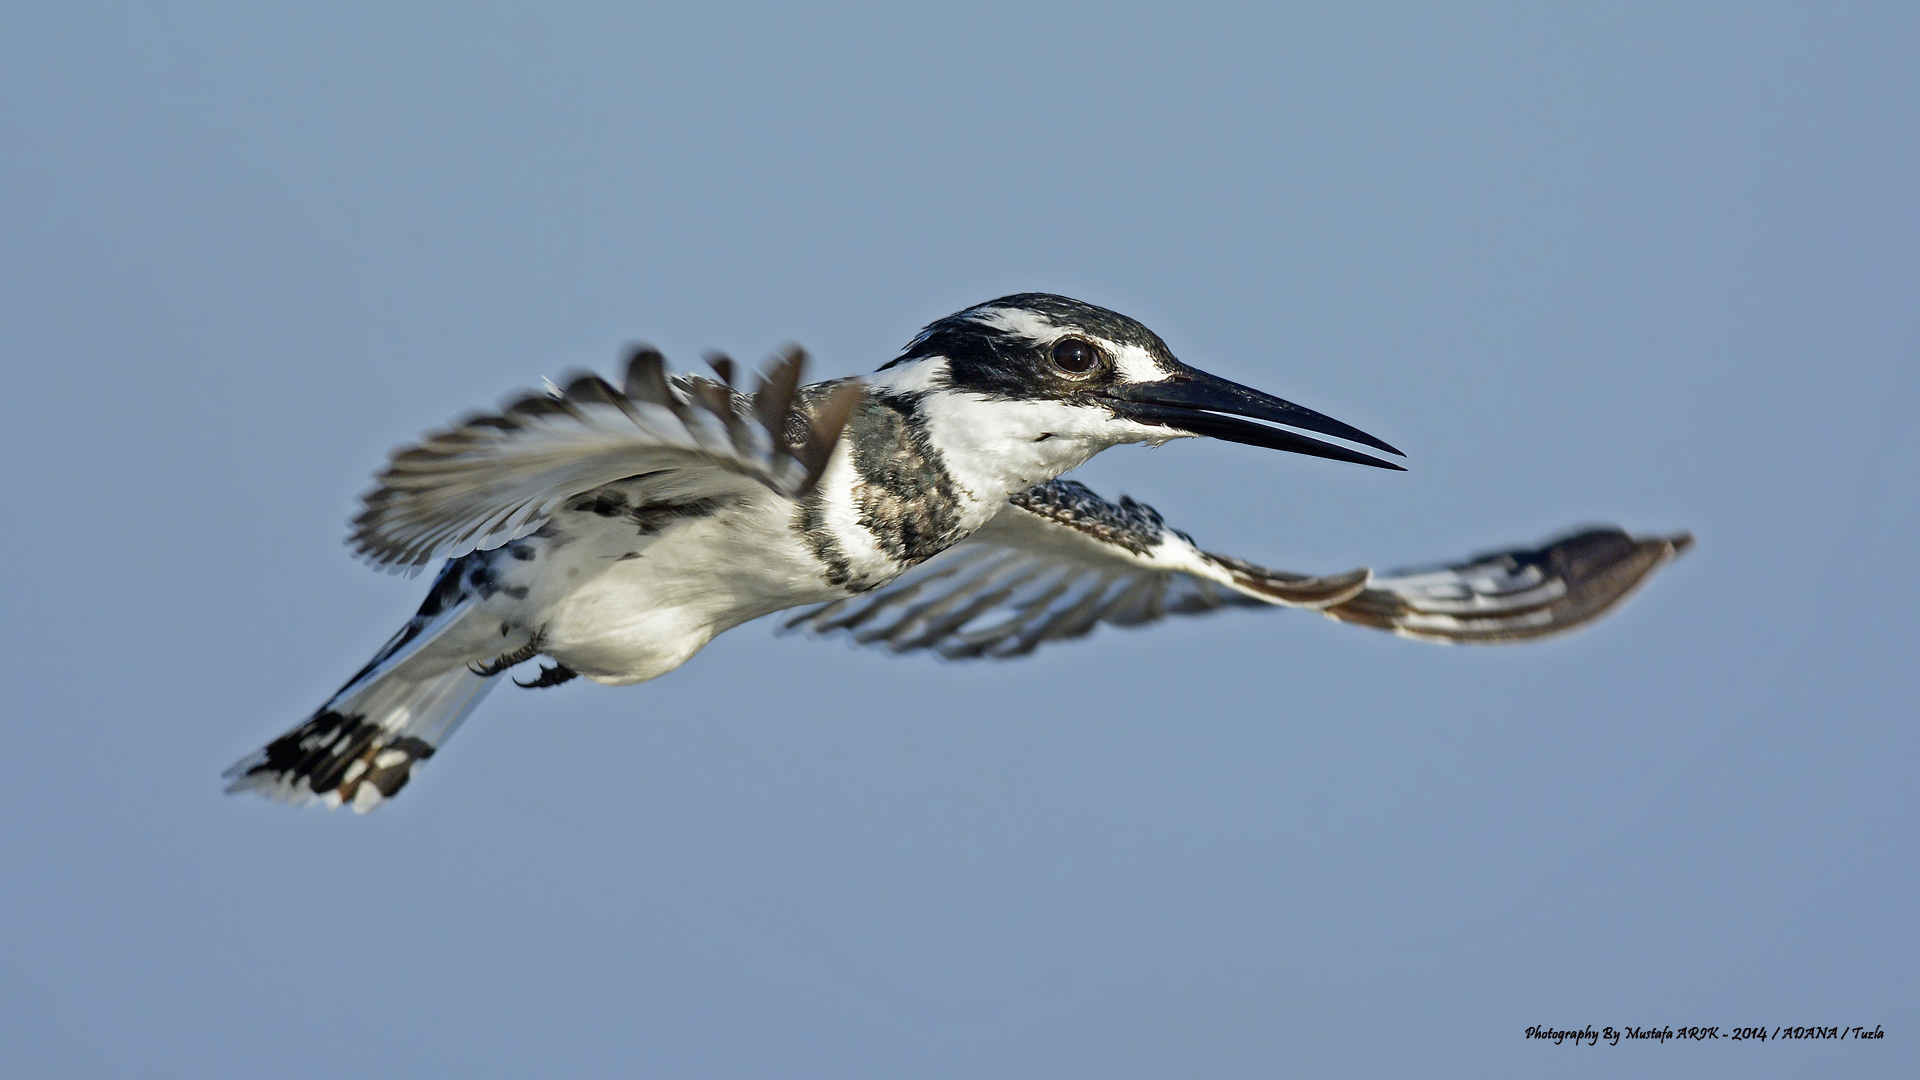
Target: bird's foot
(549, 676)
(506, 660)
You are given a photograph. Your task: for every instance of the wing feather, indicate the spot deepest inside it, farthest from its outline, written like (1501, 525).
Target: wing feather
(495, 476)
(1513, 596)
(1054, 565)
(1060, 561)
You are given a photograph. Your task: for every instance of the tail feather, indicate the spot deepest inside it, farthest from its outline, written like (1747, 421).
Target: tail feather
(362, 746)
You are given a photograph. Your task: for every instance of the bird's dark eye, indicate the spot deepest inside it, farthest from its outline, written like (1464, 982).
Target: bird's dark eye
(1075, 357)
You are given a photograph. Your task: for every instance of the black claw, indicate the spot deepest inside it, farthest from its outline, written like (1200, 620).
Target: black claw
(506, 660)
(549, 676)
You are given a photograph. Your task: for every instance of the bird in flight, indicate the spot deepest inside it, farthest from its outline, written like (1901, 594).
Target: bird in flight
(613, 530)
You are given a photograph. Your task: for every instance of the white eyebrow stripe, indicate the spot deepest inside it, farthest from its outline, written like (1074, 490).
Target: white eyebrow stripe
(1020, 321)
(1135, 364)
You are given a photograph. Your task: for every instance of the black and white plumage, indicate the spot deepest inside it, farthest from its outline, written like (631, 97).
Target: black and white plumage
(1061, 561)
(612, 531)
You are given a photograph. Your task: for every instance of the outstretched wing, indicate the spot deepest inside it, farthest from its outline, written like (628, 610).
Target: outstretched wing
(1512, 596)
(1060, 561)
(1057, 562)
(496, 476)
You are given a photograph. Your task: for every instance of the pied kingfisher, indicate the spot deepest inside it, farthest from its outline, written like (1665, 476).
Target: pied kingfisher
(614, 530)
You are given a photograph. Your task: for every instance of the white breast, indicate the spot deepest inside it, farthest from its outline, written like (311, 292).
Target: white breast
(626, 611)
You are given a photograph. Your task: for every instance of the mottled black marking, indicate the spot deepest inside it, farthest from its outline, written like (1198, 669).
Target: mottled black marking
(447, 589)
(604, 501)
(478, 574)
(522, 550)
(1132, 525)
(905, 495)
(809, 517)
(323, 750)
(325, 768)
(650, 518)
(307, 749)
(809, 521)
(799, 423)
(480, 577)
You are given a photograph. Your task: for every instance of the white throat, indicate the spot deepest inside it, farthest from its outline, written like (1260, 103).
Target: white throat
(994, 448)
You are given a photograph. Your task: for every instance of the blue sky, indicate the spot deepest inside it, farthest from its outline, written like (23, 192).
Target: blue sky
(1652, 265)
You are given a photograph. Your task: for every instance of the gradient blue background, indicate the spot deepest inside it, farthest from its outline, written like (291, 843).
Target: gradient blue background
(1654, 265)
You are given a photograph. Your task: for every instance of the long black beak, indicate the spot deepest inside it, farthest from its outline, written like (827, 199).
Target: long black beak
(1203, 404)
